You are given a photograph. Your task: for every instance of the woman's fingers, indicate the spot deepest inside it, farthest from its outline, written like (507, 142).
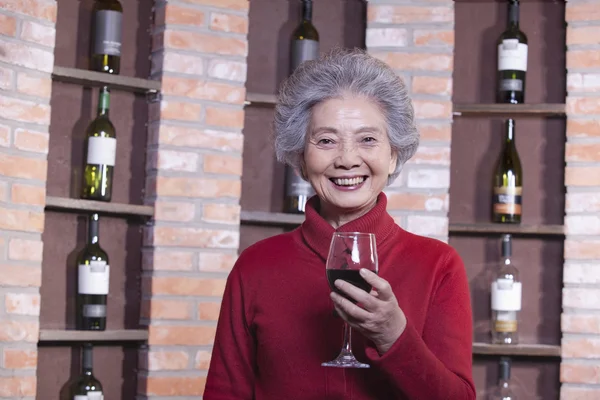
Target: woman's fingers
(382, 286)
(357, 294)
(348, 309)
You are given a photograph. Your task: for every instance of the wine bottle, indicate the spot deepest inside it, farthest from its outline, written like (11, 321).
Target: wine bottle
(304, 47)
(106, 42)
(508, 181)
(93, 281)
(502, 391)
(101, 153)
(86, 386)
(512, 59)
(506, 298)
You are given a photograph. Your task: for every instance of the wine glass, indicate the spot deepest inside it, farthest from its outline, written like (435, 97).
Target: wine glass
(348, 253)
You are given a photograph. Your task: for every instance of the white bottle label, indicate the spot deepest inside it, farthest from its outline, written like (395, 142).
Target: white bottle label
(102, 150)
(95, 396)
(506, 295)
(94, 278)
(80, 397)
(512, 55)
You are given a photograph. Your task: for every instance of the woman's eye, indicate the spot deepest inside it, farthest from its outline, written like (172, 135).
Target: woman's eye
(325, 141)
(369, 139)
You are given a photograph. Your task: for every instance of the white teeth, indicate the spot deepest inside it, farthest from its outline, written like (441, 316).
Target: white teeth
(349, 182)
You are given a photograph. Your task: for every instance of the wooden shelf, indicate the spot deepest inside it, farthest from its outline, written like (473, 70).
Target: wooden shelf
(269, 218)
(532, 350)
(93, 78)
(491, 228)
(258, 99)
(544, 109)
(78, 205)
(121, 335)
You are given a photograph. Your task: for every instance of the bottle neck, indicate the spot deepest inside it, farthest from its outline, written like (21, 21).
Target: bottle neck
(513, 14)
(94, 229)
(510, 132)
(87, 361)
(104, 101)
(307, 10)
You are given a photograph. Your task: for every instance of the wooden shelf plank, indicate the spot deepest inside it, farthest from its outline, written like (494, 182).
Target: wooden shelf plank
(269, 218)
(265, 100)
(491, 228)
(547, 109)
(78, 205)
(533, 350)
(93, 78)
(122, 335)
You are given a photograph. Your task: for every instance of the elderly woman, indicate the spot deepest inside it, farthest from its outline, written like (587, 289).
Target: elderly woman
(346, 123)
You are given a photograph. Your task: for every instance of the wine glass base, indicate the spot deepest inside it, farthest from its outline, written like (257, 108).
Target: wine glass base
(345, 361)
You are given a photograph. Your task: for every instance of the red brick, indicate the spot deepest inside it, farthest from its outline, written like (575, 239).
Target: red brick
(205, 43)
(6, 78)
(408, 14)
(197, 89)
(167, 360)
(209, 311)
(182, 63)
(432, 85)
(38, 33)
(4, 136)
(216, 262)
(580, 347)
(178, 15)
(227, 70)
(579, 373)
(25, 250)
(3, 196)
(207, 139)
(24, 111)
(164, 260)
(195, 237)
(34, 85)
(417, 201)
(583, 35)
(179, 335)
(583, 59)
(195, 187)
(582, 176)
(581, 249)
(433, 37)
(582, 12)
(8, 25)
(23, 167)
(580, 323)
(581, 298)
(221, 213)
(435, 131)
(417, 61)
(203, 359)
(175, 386)
(31, 141)
(28, 194)
(223, 164)
(431, 156)
(227, 4)
(581, 273)
(225, 117)
(582, 225)
(13, 275)
(583, 127)
(21, 220)
(186, 286)
(17, 386)
(180, 111)
(18, 331)
(386, 37)
(583, 105)
(579, 393)
(170, 160)
(174, 211)
(432, 109)
(228, 23)
(22, 303)
(582, 202)
(167, 309)
(20, 359)
(24, 55)
(586, 152)
(426, 225)
(428, 178)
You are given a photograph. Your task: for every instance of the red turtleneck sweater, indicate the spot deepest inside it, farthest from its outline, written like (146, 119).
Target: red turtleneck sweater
(277, 325)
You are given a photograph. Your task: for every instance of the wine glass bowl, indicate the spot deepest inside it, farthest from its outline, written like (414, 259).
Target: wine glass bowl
(349, 252)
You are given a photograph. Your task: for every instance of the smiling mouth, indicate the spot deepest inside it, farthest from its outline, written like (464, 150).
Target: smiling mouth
(348, 181)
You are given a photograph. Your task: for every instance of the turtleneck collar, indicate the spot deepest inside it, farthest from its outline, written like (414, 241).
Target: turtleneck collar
(317, 232)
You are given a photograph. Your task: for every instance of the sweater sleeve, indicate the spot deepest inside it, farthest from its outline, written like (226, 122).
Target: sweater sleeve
(438, 364)
(231, 371)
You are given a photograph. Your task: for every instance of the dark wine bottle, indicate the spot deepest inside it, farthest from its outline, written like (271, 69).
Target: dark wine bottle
(100, 154)
(508, 181)
(86, 386)
(93, 281)
(304, 47)
(512, 59)
(106, 42)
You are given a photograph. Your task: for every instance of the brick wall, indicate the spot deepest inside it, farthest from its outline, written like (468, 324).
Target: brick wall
(416, 38)
(194, 179)
(27, 31)
(580, 368)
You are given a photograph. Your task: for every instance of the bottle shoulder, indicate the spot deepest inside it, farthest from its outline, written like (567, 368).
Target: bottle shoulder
(513, 34)
(307, 31)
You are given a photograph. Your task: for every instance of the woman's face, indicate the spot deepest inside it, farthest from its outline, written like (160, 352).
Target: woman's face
(348, 157)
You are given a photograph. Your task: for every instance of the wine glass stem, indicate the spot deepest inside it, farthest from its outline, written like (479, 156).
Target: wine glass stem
(347, 338)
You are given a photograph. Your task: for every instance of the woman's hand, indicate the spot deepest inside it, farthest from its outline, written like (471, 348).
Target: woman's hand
(380, 319)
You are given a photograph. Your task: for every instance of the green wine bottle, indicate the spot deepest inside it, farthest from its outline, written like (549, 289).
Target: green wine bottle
(508, 181)
(512, 59)
(304, 46)
(101, 153)
(106, 43)
(86, 386)
(93, 281)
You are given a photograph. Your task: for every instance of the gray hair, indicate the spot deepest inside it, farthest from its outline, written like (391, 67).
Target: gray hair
(335, 73)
